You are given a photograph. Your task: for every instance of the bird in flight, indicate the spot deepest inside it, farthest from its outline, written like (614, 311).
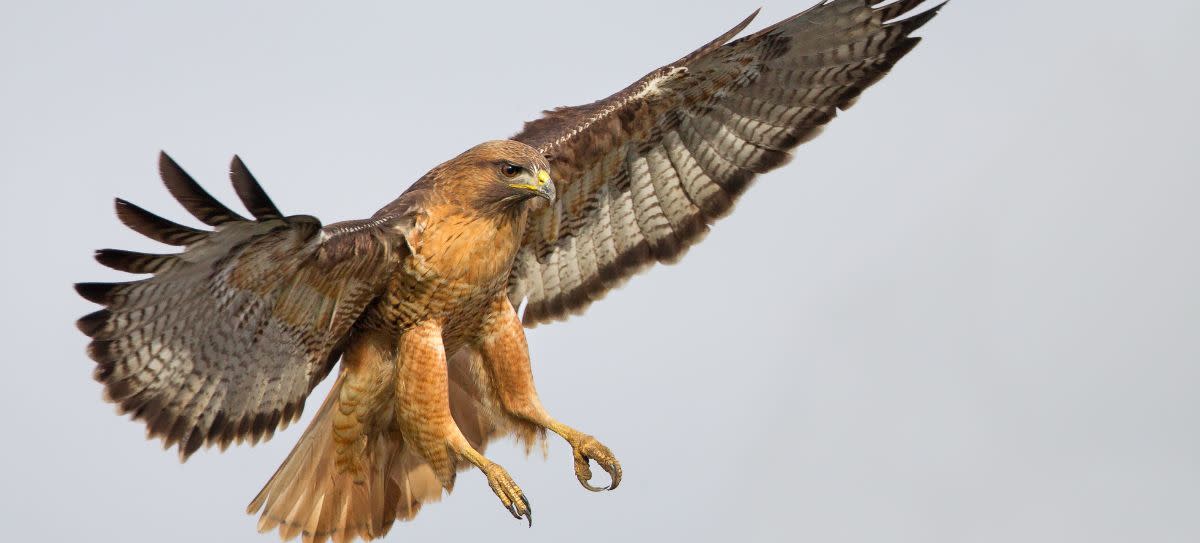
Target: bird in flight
(223, 342)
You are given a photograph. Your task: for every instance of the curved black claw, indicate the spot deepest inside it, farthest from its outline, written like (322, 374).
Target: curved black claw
(509, 493)
(514, 510)
(590, 449)
(614, 474)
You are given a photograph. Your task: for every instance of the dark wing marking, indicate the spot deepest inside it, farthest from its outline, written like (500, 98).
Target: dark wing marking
(226, 339)
(642, 174)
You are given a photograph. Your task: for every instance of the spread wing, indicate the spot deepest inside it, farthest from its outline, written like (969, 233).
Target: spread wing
(226, 339)
(643, 173)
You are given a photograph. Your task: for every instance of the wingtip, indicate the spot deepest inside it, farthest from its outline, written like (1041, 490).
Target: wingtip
(102, 255)
(250, 192)
(912, 24)
(125, 207)
(238, 167)
(938, 7)
(97, 293)
(167, 168)
(192, 196)
(93, 322)
(745, 22)
(720, 40)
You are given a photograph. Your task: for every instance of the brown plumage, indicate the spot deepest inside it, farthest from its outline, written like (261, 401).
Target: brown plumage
(225, 340)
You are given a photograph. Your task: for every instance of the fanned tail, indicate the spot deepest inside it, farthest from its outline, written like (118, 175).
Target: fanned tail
(307, 497)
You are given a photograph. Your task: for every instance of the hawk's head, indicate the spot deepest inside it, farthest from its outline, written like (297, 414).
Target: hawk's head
(501, 174)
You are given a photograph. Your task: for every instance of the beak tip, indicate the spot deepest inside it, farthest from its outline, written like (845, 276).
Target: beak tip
(548, 192)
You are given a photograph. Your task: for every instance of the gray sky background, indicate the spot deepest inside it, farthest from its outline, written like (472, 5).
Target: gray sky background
(967, 313)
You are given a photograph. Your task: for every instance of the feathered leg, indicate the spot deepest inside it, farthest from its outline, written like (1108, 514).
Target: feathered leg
(352, 474)
(423, 413)
(506, 361)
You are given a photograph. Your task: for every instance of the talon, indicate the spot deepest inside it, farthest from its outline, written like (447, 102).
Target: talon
(614, 473)
(589, 450)
(509, 493)
(589, 486)
(583, 472)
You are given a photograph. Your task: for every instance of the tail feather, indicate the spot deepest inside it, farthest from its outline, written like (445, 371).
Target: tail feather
(307, 497)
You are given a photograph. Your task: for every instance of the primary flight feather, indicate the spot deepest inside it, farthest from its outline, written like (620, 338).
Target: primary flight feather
(225, 340)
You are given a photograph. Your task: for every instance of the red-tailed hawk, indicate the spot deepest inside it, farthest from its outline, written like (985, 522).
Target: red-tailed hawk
(226, 339)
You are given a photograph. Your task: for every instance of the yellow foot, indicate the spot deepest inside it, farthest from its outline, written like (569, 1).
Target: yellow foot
(509, 493)
(586, 449)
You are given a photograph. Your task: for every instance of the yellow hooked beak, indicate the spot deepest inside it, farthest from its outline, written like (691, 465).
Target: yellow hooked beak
(541, 185)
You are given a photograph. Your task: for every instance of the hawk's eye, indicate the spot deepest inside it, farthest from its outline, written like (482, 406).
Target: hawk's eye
(510, 170)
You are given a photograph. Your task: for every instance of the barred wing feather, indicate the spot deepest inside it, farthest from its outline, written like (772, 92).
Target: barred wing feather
(642, 174)
(226, 339)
